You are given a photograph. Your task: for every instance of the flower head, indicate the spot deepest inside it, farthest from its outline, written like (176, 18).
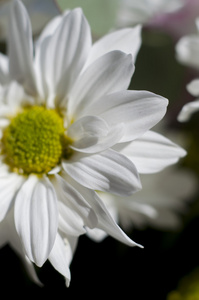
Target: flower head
(64, 106)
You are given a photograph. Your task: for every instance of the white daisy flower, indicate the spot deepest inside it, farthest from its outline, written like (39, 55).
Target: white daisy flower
(40, 12)
(143, 11)
(62, 112)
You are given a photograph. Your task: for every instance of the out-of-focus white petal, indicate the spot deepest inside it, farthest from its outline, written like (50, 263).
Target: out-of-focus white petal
(36, 218)
(68, 48)
(127, 40)
(20, 47)
(4, 69)
(137, 110)
(193, 87)
(91, 134)
(105, 171)
(108, 74)
(96, 234)
(187, 110)
(152, 152)
(187, 50)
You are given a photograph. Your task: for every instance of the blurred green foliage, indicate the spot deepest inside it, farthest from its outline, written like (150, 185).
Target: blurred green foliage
(188, 288)
(101, 14)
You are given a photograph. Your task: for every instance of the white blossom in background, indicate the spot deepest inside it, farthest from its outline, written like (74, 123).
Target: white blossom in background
(187, 52)
(69, 127)
(40, 12)
(143, 11)
(160, 204)
(187, 49)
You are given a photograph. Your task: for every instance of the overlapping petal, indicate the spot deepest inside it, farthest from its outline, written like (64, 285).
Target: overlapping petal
(91, 134)
(110, 73)
(127, 40)
(105, 220)
(151, 153)
(36, 218)
(137, 110)
(104, 171)
(74, 212)
(68, 48)
(60, 257)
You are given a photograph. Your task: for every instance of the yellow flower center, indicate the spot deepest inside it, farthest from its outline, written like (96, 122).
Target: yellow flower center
(34, 141)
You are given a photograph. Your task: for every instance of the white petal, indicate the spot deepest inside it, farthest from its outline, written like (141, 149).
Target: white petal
(187, 50)
(4, 69)
(20, 47)
(152, 152)
(127, 40)
(60, 257)
(36, 218)
(8, 235)
(13, 97)
(74, 212)
(108, 74)
(48, 30)
(96, 234)
(193, 87)
(67, 48)
(137, 110)
(92, 134)
(106, 171)
(187, 110)
(9, 183)
(105, 220)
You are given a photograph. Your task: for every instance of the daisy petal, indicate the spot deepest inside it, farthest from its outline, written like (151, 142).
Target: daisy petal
(68, 56)
(36, 218)
(60, 258)
(74, 212)
(193, 87)
(187, 110)
(20, 48)
(91, 134)
(127, 40)
(105, 171)
(4, 69)
(108, 74)
(187, 50)
(151, 153)
(138, 110)
(10, 183)
(105, 220)
(48, 30)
